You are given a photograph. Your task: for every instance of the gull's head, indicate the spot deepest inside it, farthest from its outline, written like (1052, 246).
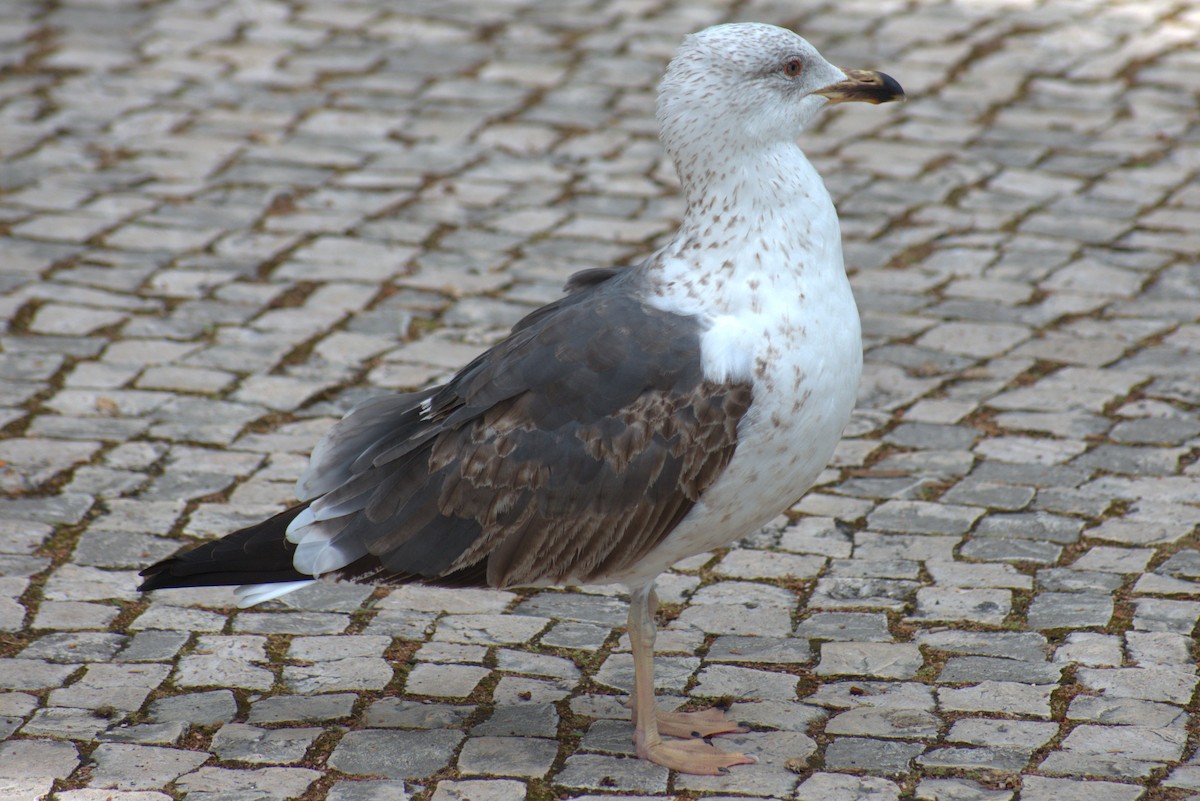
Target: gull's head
(747, 85)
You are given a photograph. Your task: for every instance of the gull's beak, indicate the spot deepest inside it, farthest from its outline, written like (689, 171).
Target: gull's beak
(866, 86)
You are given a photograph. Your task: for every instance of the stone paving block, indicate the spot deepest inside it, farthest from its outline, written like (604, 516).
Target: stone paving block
(1006, 697)
(888, 757)
(468, 790)
(1131, 742)
(37, 759)
(595, 771)
(146, 733)
(174, 618)
(851, 626)
(1169, 684)
(918, 517)
(394, 754)
(841, 593)
(994, 549)
(971, 669)
(198, 709)
(1093, 650)
(1032, 526)
(840, 787)
(1054, 610)
(75, 647)
(576, 635)
(881, 660)
(1130, 711)
(904, 724)
(926, 548)
(123, 687)
(1021, 645)
(397, 712)
(244, 743)
(1158, 648)
(759, 650)
(881, 694)
(64, 722)
(383, 790)
(610, 736)
(32, 674)
(515, 661)
(450, 653)
(729, 680)
(954, 603)
(507, 756)
(1157, 614)
(1080, 581)
(1003, 760)
(141, 767)
(1114, 560)
(1017, 735)
(489, 629)
(213, 783)
(962, 574)
(302, 708)
(211, 670)
(444, 681)
(1114, 766)
(958, 790)
(351, 673)
(1038, 788)
(524, 720)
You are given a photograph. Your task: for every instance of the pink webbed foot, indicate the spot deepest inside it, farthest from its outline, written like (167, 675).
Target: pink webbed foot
(706, 723)
(693, 756)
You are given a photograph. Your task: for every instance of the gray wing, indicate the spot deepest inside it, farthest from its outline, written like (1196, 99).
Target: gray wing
(566, 452)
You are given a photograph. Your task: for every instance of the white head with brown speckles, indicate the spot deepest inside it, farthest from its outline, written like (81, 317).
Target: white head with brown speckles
(748, 86)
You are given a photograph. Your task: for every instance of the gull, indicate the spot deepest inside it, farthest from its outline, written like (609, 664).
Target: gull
(653, 413)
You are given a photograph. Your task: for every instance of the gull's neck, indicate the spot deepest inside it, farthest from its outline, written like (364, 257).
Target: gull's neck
(759, 225)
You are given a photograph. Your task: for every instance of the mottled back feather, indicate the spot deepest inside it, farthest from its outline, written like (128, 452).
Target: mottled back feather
(566, 452)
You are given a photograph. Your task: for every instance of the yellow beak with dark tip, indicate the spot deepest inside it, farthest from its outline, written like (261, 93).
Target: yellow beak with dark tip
(864, 86)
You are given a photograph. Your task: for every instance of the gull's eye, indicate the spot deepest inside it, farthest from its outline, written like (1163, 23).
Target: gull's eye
(792, 68)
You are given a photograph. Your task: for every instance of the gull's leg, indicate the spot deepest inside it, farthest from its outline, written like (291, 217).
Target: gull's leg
(705, 723)
(685, 756)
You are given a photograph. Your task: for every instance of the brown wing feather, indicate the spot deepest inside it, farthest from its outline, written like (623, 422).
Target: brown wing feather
(567, 452)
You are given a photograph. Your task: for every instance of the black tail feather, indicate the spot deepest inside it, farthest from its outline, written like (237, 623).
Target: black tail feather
(259, 554)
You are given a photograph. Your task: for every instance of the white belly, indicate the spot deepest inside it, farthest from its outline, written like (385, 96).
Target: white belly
(805, 383)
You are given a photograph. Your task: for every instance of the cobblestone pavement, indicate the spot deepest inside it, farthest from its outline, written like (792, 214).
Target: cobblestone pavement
(226, 220)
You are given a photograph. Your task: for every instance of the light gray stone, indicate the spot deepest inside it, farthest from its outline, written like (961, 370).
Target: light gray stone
(958, 790)
(1038, 788)
(840, 787)
(888, 757)
(243, 743)
(954, 603)
(595, 771)
(1069, 610)
(271, 784)
(507, 756)
(302, 708)
(470, 790)
(395, 754)
(141, 767)
(197, 709)
(880, 660)
(904, 724)
(30, 759)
